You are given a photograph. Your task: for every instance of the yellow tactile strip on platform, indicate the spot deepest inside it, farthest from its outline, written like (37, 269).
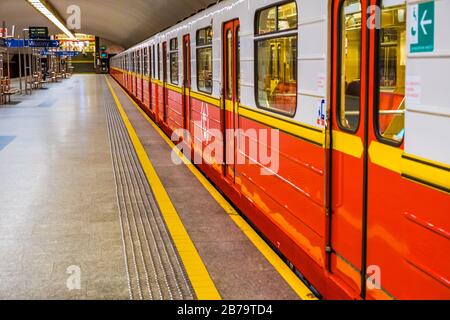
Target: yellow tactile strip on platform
(198, 275)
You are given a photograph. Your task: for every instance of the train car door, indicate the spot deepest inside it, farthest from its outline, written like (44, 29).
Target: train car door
(136, 73)
(186, 81)
(142, 73)
(348, 194)
(149, 75)
(164, 78)
(231, 83)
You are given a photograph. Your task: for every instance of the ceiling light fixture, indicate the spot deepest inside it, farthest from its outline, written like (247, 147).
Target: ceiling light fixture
(42, 8)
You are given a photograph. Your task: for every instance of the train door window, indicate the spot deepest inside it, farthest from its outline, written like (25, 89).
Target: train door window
(390, 104)
(154, 62)
(238, 62)
(229, 77)
(350, 68)
(173, 56)
(204, 60)
(151, 62)
(159, 62)
(139, 62)
(146, 61)
(132, 62)
(136, 62)
(276, 59)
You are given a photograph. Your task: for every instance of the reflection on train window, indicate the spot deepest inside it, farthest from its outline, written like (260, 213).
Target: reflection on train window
(392, 68)
(276, 61)
(204, 60)
(350, 84)
(174, 61)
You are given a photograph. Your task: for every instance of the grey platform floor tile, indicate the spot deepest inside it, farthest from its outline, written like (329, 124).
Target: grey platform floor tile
(57, 194)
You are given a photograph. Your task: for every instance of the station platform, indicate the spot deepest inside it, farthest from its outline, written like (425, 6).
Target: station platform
(93, 207)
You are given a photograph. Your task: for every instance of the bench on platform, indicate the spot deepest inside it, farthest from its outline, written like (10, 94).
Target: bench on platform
(6, 90)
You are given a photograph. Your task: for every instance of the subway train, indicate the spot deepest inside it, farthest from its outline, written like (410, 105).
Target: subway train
(358, 93)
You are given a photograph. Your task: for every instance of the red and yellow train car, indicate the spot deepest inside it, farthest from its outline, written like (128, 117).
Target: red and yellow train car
(358, 200)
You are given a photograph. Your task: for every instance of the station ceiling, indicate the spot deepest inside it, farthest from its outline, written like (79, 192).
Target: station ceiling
(124, 22)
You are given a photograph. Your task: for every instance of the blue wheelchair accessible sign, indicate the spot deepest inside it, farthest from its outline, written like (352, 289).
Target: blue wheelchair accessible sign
(422, 27)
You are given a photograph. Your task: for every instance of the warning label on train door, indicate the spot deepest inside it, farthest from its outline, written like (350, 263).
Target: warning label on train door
(422, 27)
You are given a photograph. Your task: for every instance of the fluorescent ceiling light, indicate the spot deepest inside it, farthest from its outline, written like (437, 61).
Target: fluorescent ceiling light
(42, 8)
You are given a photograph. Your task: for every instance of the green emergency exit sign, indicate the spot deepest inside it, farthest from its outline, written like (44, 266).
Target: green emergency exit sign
(422, 27)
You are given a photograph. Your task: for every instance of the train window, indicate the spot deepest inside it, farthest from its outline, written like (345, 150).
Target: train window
(287, 16)
(392, 71)
(204, 36)
(350, 68)
(277, 18)
(204, 60)
(174, 61)
(276, 60)
(267, 21)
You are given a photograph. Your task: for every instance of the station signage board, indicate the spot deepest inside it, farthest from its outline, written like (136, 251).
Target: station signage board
(43, 43)
(40, 33)
(16, 43)
(422, 27)
(60, 53)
